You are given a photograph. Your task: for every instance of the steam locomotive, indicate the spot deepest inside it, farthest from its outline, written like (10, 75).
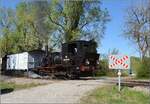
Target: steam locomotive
(77, 58)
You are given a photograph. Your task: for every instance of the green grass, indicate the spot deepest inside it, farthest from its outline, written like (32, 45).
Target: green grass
(110, 95)
(15, 86)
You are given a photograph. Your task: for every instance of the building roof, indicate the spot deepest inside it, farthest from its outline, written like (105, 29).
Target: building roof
(32, 51)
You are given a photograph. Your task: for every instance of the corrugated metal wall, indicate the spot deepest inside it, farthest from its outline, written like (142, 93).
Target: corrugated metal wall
(17, 61)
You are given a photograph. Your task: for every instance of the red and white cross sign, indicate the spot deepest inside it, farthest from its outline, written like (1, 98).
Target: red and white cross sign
(119, 62)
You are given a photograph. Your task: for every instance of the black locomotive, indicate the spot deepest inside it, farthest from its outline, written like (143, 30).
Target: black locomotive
(77, 58)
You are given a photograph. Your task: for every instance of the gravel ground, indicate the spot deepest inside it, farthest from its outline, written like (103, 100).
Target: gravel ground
(69, 91)
(56, 91)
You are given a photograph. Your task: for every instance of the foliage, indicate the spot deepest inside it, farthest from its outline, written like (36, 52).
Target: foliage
(141, 67)
(143, 70)
(110, 95)
(112, 73)
(135, 63)
(13, 32)
(103, 68)
(77, 19)
(20, 31)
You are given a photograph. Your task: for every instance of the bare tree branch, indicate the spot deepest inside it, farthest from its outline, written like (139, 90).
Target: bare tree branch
(136, 16)
(84, 25)
(55, 22)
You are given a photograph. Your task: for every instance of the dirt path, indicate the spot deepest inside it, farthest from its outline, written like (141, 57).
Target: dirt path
(60, 92)
(24, 80)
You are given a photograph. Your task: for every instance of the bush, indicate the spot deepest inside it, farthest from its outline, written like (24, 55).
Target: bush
(112, 73)
(103, 68)
(143, 70)
(135, 64)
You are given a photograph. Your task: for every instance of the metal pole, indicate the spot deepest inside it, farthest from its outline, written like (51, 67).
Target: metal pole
(119, 79)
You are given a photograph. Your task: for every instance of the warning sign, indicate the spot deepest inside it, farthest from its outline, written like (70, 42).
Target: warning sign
(119, 62)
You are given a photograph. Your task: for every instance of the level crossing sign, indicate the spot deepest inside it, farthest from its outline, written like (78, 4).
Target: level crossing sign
(119, 62)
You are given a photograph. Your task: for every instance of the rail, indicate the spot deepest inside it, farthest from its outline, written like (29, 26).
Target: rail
(133, 83)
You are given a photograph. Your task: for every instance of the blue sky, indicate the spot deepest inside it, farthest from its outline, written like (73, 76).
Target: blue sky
(113, 35)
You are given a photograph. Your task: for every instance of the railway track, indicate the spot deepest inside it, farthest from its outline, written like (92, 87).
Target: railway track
(133, 83)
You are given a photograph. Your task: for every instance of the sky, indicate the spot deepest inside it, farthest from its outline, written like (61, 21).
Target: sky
(113, 37)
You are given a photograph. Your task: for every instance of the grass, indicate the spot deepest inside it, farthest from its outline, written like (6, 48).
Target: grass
(4, 85)
(110, 95)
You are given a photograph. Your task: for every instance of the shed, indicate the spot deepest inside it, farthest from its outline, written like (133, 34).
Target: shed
(25, 60)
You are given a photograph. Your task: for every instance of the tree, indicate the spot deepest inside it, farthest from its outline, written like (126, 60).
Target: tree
(17, 29)
(138, 27)
(77, 20)
(34, 23)
(26, 23)
(6, 22)
(42, 27)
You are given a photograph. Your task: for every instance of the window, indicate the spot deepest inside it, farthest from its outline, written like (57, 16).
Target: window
(72, 48)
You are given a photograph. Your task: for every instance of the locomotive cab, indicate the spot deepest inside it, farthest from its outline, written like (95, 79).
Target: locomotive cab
(80, 56)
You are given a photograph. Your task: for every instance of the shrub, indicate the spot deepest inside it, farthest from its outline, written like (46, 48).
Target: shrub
(103, 68)
(112, 73)
(143, 70)
(135, 64)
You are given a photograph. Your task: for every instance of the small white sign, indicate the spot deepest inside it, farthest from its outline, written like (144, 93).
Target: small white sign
(119, 62)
